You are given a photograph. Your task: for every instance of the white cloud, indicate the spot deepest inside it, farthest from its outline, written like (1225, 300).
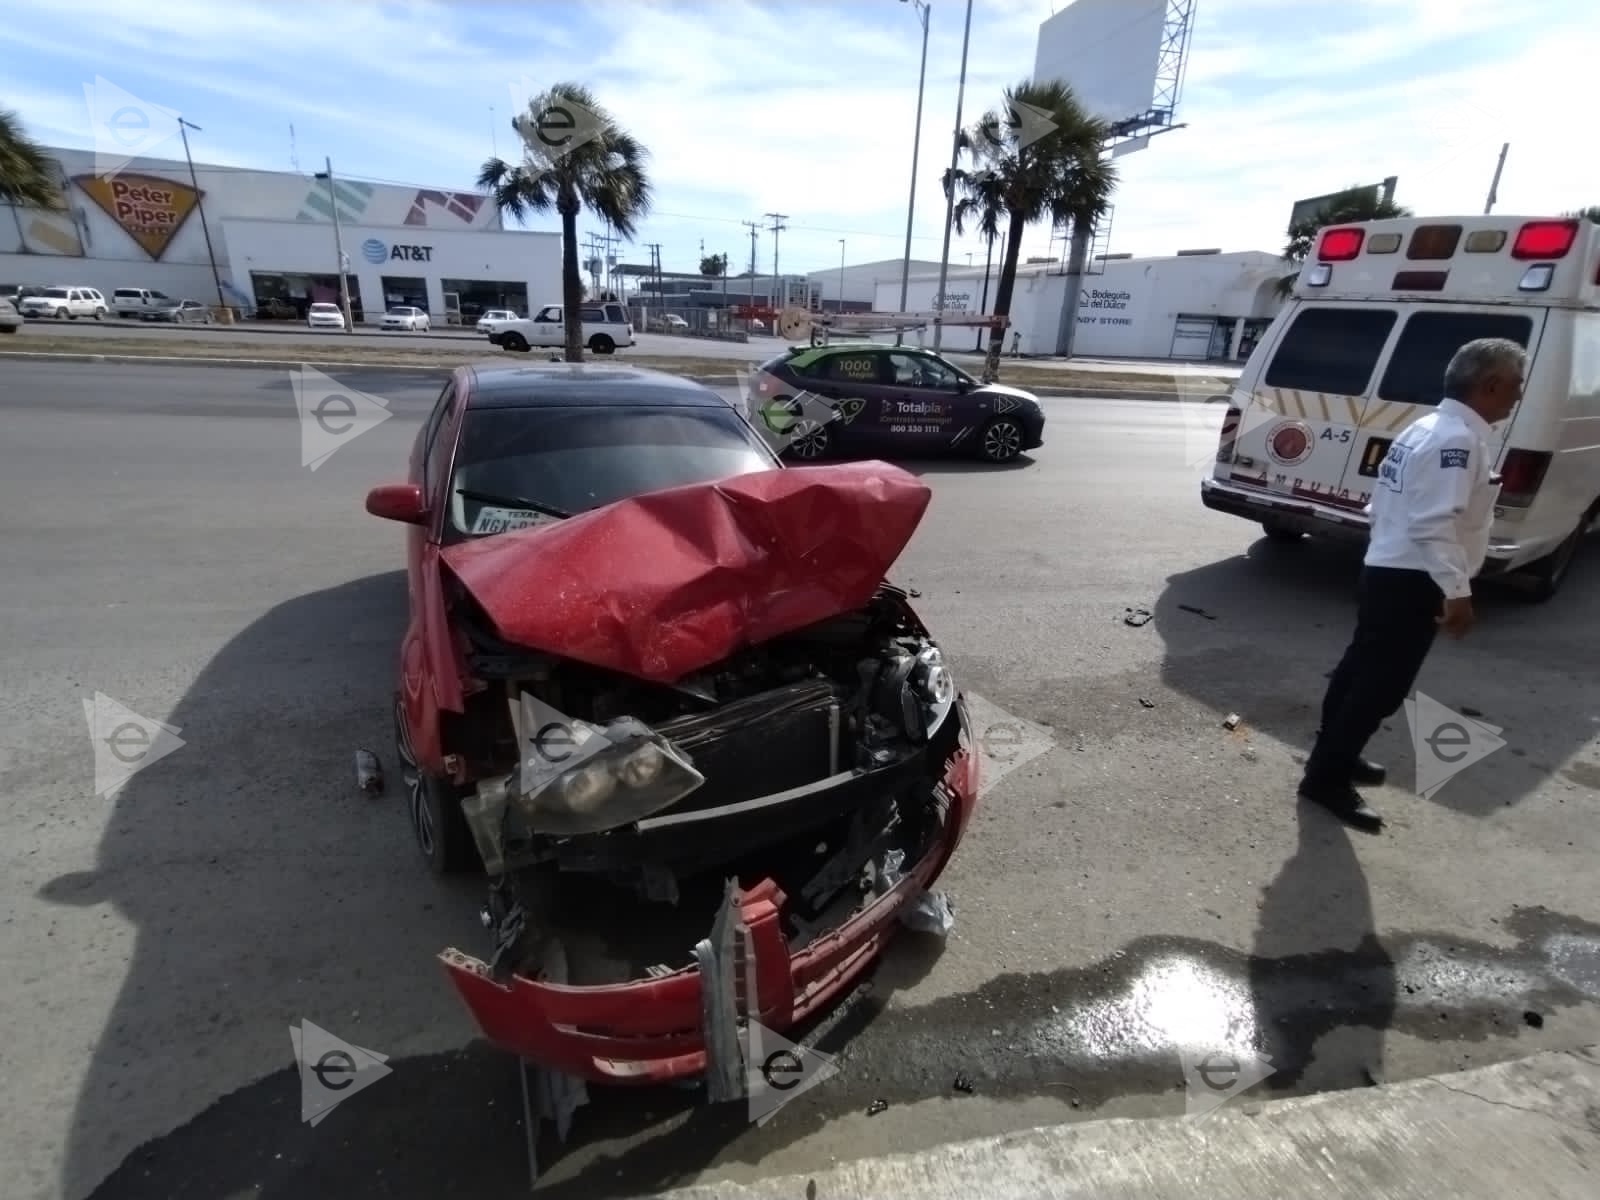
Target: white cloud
(808, 109)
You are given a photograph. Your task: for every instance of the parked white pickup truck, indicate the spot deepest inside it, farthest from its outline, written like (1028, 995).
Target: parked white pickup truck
(605, 329)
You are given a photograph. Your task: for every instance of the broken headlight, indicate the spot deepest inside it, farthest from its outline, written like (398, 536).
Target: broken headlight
(580, 778)
(917, 691)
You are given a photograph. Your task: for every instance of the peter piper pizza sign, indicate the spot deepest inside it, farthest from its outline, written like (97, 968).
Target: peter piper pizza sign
(150, 209)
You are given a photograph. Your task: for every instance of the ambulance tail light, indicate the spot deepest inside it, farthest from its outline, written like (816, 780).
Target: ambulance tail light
(1545, 239)
(1341, 245)
(1230, 431)
(1521, 475)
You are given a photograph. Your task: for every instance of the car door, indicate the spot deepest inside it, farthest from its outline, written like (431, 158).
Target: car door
(428, 677)
(855, 386)
(924, 400)
(547, 327)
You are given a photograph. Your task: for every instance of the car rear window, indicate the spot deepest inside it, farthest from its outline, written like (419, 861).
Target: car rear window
(1331, 350)
(128, 292)
(1416, 369)
(592, 314)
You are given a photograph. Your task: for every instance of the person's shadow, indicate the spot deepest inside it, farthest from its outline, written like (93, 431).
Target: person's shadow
(1322, 983)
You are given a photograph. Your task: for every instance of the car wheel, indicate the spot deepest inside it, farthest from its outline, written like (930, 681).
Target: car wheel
(809, 440)
(514, 341)
(601, 344)
(1000, 441)
(437, 822)
(99, 314)
(62, 314)
(1281, 533)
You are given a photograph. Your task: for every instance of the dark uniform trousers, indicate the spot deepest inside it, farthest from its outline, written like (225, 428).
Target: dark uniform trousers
(1396, 620)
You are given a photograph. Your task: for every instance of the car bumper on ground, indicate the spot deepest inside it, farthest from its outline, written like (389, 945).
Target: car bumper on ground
(655, 1030)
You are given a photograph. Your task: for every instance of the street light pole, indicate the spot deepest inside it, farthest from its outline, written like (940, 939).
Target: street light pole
(911, 206)
(338, 249)
(841, 275)
(222, 302)
(950, 198)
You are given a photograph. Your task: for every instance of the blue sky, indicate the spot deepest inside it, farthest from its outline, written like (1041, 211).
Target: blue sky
(808, 108)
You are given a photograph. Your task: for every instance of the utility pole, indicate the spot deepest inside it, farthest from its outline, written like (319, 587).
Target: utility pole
(923, 10)
(222, 302)
(655, 270)
(950, 200)
(778, 227)
(1494, 187)
(338, 249)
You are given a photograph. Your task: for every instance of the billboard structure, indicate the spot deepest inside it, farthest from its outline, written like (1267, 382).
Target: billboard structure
(1306, 210)
(1123, 59)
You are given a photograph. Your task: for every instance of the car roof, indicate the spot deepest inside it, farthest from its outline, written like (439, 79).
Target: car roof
(555, 384)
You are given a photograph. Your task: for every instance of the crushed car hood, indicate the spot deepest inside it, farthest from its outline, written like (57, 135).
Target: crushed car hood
(660, 585)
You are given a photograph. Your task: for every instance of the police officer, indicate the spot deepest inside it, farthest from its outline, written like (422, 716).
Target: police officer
(1431, 510)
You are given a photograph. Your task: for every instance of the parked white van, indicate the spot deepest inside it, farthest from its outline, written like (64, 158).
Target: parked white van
(1360, 351)
(134, 302)
(605, 329)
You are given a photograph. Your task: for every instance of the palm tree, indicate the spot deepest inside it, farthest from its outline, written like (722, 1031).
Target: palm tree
(1592, 213)
(1033, 163)
(27, 178)
(581, 160)
(713, 265)
(979, 202)
(1352, 204)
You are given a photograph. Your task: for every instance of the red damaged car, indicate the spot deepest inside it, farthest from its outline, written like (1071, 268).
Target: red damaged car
(656, 686)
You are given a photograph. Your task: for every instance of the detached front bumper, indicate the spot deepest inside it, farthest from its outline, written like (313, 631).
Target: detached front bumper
(654, 1030)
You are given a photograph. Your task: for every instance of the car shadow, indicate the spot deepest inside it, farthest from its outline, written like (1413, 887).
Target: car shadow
(260, 885)
(1258, 634)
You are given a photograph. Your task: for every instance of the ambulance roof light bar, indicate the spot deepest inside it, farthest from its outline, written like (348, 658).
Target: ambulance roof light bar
(1545, 239)
(1340, 245)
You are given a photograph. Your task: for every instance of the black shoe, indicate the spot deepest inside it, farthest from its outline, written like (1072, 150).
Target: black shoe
(1345, 803)
(1367, 773)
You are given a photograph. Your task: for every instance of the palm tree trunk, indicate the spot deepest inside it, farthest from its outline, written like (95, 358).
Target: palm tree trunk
(1003, 288)
(571, 283)
(1077, 261)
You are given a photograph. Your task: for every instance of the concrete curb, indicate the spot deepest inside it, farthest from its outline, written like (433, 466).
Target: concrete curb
(1106, 393)
(1525, 1128)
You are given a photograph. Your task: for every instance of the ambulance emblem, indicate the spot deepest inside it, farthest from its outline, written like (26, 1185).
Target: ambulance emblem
(1290, 443)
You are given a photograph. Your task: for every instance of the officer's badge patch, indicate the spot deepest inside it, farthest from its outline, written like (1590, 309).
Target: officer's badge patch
(1454, 458)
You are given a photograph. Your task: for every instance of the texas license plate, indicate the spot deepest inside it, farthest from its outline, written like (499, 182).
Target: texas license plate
(501, 520)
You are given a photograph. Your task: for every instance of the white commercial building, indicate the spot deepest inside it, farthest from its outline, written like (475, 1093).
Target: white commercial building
(271, 236)
(1192, 305)
(860, 281)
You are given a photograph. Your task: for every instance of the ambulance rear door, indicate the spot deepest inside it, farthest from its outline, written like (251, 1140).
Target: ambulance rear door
(1300, 433)
(1412, 380)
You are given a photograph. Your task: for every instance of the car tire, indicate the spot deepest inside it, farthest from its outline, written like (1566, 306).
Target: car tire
(810, 441)
(1000, 440)
(99, 314)
(601, 344)
(514, 341)
(9, 328)
(62, 315)
(1282, 533)
(433, 807)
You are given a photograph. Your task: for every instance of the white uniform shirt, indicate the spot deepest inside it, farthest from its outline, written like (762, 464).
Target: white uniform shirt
(1434, 500)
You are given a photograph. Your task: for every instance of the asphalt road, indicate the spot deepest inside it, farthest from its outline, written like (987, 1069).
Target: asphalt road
(1145, 884)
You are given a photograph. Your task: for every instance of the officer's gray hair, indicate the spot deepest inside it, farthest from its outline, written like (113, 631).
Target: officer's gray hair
(1477, 359)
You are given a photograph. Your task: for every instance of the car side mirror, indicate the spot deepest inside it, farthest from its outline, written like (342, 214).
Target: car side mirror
(401, 502)
(963, 385)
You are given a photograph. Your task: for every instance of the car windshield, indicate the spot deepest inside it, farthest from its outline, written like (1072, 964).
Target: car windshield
(572, 459)
(328, 308)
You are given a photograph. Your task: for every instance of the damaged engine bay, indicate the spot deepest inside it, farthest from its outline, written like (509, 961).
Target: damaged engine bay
(815, 761)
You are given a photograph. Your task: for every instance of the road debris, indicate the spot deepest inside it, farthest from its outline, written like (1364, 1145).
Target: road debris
(1533, 1020)
(1143, 703)
(1232, 722)
(369, 772)
(1197, 611)
(931, 912)
(1136, 616)
(964, 1085)
(1466, 710)
(876, 1107)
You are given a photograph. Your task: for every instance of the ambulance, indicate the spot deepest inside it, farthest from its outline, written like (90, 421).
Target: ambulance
(1359, 352)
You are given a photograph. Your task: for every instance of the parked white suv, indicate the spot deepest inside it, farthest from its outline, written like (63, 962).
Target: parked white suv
(605, 329)
(63, 303)
(134, 302)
